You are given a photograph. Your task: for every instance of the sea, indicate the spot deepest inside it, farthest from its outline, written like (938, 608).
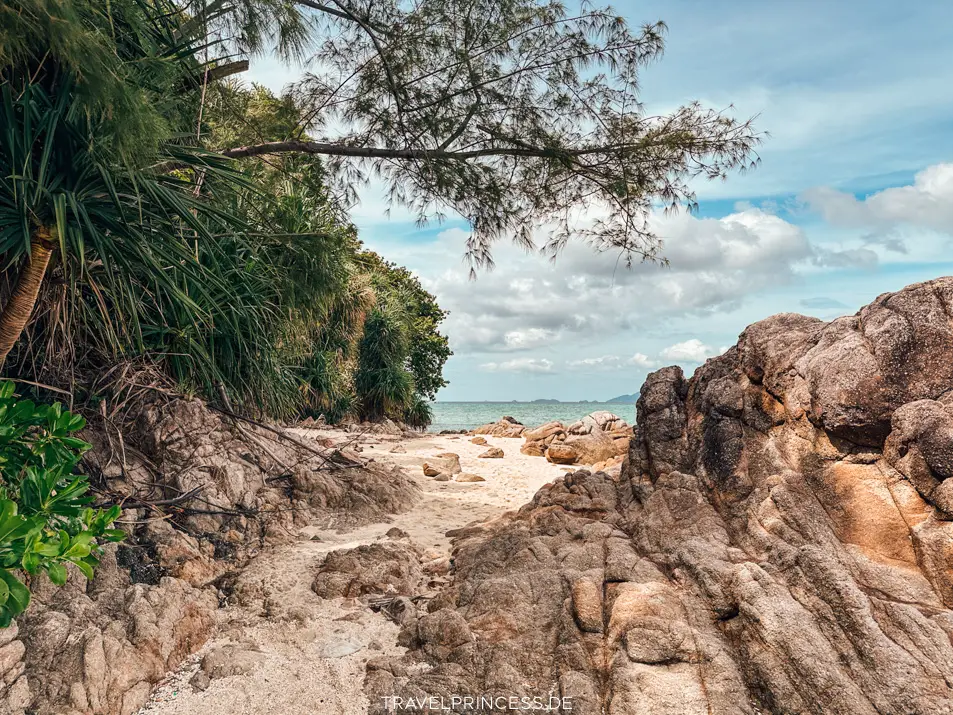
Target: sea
(467, 415)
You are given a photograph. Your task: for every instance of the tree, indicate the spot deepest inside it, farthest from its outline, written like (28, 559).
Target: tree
(515, 114)
(429, 349)
(85, 111)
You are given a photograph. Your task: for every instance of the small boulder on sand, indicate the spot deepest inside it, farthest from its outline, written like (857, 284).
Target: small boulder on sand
(468, 477)
(561, 454)
(444, 462)
(450, 461)
(398, 449)
(442, 477)
(479, 440)
(492, 453)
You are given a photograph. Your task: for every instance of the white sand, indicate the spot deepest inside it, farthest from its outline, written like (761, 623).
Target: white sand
(295, 629)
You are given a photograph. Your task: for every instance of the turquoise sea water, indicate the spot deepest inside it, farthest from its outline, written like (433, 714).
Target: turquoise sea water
(467, 415)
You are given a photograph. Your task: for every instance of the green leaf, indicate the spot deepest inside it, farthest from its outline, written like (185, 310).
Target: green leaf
(57, 573)
(85, 568)
(19, 595)
(114, 534)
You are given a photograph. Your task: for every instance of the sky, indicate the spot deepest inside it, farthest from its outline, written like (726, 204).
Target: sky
(853, 198)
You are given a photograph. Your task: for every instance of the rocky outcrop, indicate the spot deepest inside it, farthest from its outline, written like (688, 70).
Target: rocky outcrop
(779, 540)
(601, 421)
(596, 438)
(202, 494)
(506, 427)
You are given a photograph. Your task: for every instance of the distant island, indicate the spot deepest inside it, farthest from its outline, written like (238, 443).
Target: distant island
(624, 399)
(547, 402)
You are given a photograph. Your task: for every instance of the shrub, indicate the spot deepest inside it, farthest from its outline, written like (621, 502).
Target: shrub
(45, 518)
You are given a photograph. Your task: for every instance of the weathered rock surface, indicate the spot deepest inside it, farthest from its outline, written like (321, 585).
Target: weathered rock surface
(383, 568)
(506, 427)
(597, 437)
(601, 421)
(560, 453)
(778, 541)
(491, 453)
(468, 477)
(97, 648)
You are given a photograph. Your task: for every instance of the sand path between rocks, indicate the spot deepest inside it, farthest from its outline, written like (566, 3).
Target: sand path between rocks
(305, 655)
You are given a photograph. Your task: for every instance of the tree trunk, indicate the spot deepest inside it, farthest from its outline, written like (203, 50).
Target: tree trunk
(16, 313)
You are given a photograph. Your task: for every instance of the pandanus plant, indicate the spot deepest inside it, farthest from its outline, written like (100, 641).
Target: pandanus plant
(64, 199)
(126, 234)
(95, 184)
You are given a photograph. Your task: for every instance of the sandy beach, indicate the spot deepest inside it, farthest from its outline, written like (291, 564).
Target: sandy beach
(305, 655)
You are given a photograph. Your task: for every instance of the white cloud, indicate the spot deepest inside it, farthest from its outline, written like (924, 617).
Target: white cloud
(690, 351)
(529, 365)
(527, 339)
(605, 362)
(526, 303)
(641, 360)
(612, 362)
(927, 203)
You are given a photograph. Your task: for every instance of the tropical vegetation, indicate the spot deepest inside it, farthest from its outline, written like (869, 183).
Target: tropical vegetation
(45, 518)
(127, 237)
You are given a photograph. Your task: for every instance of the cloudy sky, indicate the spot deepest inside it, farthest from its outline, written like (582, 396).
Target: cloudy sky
(853, 198)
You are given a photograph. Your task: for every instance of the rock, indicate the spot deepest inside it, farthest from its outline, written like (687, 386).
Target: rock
(380, 568)
(481, 441)
(232, 659)
(543, 431)
(339, 648)
(200, 681)
(100, 646)
(506, 427)
(398, 449)
(442, 477)
(534, 449)
(445, 462)
(601, 421)
(450, 462)
(492, 453)
(561, 454)
(467, 477)
(596, 447)
(9, 633)
(608, 464)
(777, 540)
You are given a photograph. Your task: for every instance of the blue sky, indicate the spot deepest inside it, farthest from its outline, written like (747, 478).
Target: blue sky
(853, 198)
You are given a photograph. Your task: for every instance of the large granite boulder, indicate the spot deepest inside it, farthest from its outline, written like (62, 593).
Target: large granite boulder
(506, 427)
(778, 541)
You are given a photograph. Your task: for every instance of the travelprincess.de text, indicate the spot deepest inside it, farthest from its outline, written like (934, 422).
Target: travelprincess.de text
(476, 703)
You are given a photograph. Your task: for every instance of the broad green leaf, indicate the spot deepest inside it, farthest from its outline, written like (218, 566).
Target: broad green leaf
(19, 595)
(57, 573)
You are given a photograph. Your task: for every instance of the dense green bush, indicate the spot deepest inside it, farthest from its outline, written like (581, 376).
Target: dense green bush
(45, 518)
